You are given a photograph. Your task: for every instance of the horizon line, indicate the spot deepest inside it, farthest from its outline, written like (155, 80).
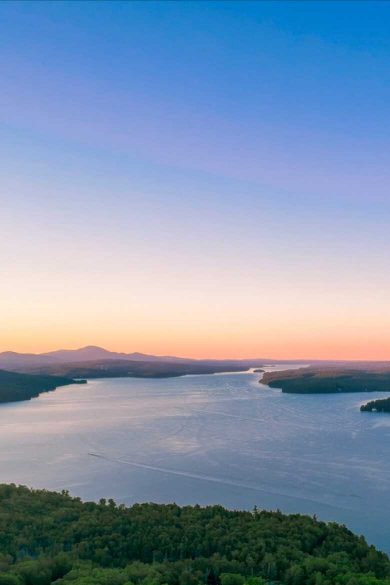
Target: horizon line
(168, 355)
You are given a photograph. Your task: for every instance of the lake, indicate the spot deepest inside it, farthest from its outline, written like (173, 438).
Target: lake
(206, 439)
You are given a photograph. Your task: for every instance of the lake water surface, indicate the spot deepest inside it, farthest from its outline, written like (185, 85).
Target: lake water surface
(206, 439)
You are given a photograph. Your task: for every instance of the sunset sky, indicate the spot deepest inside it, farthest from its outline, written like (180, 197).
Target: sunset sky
(202, 179)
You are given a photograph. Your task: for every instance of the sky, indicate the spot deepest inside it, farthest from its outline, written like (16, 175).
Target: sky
(204, 179)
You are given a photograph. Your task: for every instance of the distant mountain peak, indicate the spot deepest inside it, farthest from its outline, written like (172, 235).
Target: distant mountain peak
(92, 347)
(90, 352)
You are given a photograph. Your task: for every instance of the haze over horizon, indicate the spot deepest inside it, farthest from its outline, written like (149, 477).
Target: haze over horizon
(196, 179)
(145, 354)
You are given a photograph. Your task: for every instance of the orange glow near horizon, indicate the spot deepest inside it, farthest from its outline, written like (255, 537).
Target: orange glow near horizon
(213, 314)
(210, 342)
(220, 309)
(342, 353)
(242, 317)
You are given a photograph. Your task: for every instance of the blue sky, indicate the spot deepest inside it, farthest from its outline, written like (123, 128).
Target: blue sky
(232, 155)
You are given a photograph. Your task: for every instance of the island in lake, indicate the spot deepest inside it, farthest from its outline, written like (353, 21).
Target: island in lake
(382, 405)
(15, 386)
(330, 380)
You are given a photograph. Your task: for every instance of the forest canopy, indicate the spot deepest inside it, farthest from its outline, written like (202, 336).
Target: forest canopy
(47, 537)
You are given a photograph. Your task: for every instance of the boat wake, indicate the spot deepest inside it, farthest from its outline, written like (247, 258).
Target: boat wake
(209, 478)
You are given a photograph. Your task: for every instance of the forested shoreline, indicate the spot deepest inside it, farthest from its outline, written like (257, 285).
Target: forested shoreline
(314, 380)
(380, 405)
(15, 387)
(48, 537)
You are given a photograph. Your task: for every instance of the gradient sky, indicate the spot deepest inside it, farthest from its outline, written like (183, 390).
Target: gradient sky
(203, 179)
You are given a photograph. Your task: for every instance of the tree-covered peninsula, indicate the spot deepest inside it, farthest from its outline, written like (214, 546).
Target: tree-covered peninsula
(47, 538)
(376, 406)
(316, 380)
(15, 387)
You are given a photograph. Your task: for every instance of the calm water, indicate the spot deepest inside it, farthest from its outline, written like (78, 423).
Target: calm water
(207, 439)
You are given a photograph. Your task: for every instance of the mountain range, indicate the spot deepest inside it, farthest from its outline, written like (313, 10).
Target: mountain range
(92, 356)
(10, 360)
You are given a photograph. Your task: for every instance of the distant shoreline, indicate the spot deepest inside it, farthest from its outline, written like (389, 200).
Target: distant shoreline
(314, 380)
(21, 386)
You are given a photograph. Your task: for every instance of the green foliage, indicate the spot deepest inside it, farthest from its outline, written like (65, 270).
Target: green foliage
(47, 538)
(9, 579)
(232, 579)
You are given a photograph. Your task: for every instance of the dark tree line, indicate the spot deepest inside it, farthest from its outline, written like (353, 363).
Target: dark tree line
(15, 386)
(315, 381)
(382, 405)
